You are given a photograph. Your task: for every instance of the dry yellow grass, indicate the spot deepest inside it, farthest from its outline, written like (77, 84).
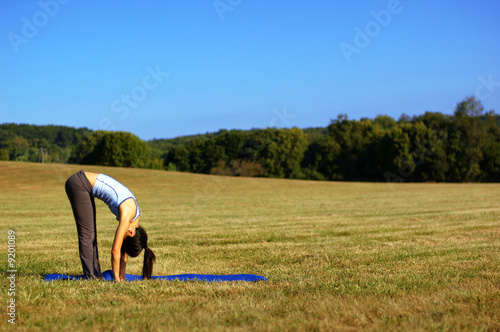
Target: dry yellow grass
(338, 256)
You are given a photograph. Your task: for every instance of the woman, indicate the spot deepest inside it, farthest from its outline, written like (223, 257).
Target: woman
(130, 238)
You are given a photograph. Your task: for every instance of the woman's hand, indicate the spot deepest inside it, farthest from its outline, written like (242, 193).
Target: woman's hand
(125, 228)
(123, 266)
(116, 255)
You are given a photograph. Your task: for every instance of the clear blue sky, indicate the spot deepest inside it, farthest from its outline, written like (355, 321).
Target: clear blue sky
(162, 69)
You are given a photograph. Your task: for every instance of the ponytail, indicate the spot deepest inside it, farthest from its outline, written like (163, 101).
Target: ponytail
(133, 246)
(149, 259)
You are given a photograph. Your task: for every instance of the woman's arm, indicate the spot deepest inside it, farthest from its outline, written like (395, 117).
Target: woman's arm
(125, 228)
(123, 266)
(116, 256)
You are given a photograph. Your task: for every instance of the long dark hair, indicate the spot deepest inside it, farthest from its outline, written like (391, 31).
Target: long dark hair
(133, 246)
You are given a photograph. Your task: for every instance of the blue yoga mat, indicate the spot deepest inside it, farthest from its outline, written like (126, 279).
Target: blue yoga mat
(108, 275)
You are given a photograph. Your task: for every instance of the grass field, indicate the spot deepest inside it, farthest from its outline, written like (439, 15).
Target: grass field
(338, 256)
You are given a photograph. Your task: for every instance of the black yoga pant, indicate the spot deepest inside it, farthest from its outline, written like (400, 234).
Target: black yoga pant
(79, 191)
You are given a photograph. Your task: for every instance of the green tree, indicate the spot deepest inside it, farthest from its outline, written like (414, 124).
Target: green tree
(178, 158)
(85, 151)
(357, 140)
(280, 151)
(490, 165)
(320, 160)
(469, 140)
(196, 156)
(392, 153)
(114, 149)
(212, 152)
(385, 122)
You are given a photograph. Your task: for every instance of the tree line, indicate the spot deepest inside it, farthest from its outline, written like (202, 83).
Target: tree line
(462, 147)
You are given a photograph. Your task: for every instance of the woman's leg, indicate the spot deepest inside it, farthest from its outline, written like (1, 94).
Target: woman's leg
(79, 192)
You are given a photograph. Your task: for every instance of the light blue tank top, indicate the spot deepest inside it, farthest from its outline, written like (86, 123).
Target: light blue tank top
(113, 193)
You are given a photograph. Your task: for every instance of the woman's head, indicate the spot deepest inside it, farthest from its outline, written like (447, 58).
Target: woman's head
(133, 246)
